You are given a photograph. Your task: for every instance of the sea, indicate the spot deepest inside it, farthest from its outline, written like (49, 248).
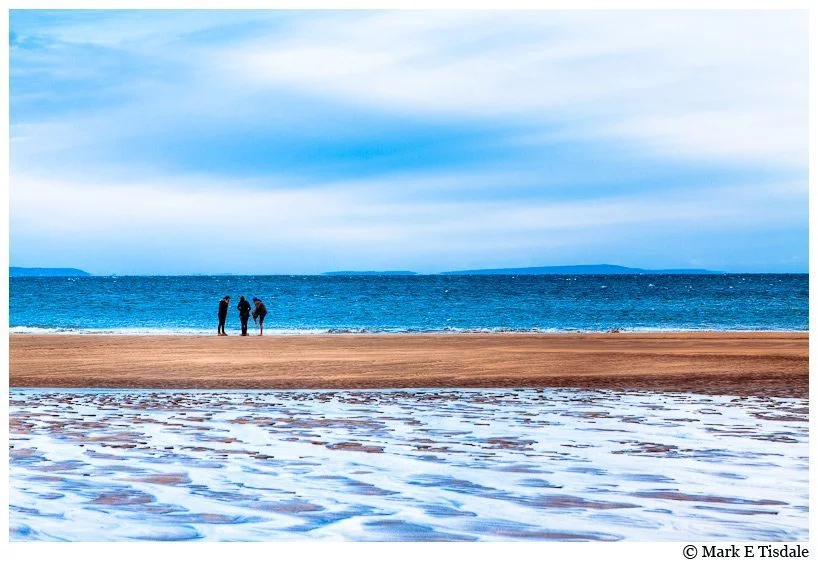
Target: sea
(396, 304)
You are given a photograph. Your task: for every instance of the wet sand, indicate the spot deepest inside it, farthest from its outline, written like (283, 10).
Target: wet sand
(406, 465)
(748, 363)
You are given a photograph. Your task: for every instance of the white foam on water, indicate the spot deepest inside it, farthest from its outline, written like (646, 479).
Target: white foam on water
(416, 465)
(156, 331)
(320, 331)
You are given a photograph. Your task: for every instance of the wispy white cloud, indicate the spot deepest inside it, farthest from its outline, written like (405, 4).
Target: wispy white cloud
(708, 85)
(343, 220)
(312, 141)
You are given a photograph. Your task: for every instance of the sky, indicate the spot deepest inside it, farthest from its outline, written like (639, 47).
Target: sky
(266, 142)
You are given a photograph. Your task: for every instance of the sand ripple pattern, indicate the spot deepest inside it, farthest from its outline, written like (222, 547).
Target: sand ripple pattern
(420, 465)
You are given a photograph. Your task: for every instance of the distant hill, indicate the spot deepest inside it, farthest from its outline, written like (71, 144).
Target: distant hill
(45, 272)
(582, 270)
(368, 273)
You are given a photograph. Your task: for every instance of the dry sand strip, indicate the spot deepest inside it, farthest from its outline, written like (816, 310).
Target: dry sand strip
(746, 363)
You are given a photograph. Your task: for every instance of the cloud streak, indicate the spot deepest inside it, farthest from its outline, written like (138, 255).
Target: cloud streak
(283, 222)
(723, 86)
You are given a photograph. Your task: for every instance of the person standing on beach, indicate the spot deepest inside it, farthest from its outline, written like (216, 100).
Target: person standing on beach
(244, 314)
(223, 303)
(259, 313)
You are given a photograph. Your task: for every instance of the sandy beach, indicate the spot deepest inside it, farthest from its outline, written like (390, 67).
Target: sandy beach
(747, 363)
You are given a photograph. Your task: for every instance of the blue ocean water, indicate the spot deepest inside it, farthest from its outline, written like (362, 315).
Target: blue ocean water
(435, 303)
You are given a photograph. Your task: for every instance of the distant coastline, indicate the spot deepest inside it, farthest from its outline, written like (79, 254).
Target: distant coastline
(602, 269)
(46, 272)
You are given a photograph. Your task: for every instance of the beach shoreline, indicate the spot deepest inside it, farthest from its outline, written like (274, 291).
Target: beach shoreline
(296, 332)
(730, 363)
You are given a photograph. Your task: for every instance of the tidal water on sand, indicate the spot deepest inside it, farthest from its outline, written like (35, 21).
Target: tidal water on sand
(419, 465)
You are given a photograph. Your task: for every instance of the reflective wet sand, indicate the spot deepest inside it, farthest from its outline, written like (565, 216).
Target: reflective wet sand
(411, 465)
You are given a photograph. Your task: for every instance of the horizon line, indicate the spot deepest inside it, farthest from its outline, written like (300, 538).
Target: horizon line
(408, 273)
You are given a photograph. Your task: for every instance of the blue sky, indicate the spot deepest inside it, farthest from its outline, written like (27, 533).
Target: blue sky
(176, 142)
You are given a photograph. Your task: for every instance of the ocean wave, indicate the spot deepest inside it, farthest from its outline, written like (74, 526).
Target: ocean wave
(107, 331)
(443, 330)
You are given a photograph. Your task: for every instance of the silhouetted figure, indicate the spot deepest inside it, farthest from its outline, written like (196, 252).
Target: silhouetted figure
(223, 303)
(258, 314)
(244, 314)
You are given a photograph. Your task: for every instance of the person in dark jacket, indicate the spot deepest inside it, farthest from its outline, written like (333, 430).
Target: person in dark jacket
(258, 314)
(244, 314)
(223, 303)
